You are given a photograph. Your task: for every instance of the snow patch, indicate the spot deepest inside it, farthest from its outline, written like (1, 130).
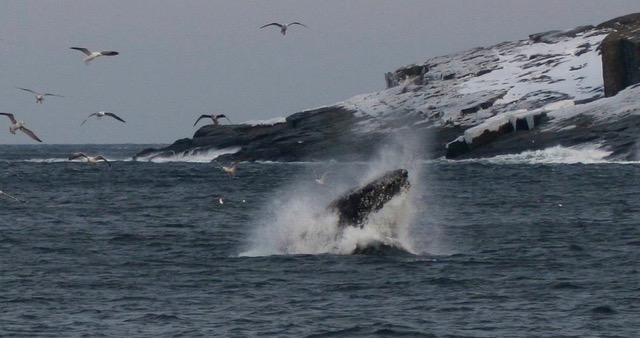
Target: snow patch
(468, 88)
(269, 122)
(546, 67)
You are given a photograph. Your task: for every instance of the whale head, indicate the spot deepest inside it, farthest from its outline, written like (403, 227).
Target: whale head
(355, 205)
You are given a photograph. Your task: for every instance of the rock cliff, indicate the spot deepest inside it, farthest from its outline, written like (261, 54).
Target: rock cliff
(621, 53)
(567, 88)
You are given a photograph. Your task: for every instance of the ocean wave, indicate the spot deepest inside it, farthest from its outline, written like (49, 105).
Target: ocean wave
(64, 159)
(584, 154)
(191, 156)
(43, 160)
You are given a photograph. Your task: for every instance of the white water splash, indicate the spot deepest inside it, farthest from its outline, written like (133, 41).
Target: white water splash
(44, 160)
(297, 222)
(585, 154)
(61, 160)
(301, 225)
(192, 156)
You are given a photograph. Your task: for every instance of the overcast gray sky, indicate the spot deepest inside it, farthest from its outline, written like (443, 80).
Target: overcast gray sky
(180, 59)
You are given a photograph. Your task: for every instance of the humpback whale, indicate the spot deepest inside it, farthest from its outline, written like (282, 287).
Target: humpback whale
(355, 205)
(369, 219)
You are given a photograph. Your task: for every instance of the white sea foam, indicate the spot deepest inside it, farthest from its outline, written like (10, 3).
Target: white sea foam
(45, 160)
(192, 156)
(585, 154)
(60, 160)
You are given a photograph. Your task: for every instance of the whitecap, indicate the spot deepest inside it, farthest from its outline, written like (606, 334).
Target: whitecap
(196, 155)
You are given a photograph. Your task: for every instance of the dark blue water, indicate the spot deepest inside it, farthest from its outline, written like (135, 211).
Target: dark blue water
(519, 248)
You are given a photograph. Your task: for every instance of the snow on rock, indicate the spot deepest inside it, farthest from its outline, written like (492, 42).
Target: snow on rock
(467, 88)
(624, 104)
(494, 127)
(488, 92)
(571, 66)
(266, 122)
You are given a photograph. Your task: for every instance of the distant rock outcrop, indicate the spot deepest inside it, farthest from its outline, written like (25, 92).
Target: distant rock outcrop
(531, 94)
(621, 54)
(318, 134)
(494, 128)
(414, 72)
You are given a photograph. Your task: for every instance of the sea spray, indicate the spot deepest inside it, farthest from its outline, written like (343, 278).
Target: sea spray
(293, 222)
(296, 219)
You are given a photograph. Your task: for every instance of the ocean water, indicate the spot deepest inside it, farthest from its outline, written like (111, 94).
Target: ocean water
(531, 245)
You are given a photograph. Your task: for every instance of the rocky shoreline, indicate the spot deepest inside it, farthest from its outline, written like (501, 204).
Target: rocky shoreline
(566, 88)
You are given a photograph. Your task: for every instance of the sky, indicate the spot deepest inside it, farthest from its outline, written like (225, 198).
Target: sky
(181, 59)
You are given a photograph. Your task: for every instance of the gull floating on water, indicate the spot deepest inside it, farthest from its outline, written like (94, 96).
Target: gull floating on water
(100, 114)
(11, 197)
(39, 96)
(283, 27)
(90, 159)
(213, 117)
(19, 125)
(92, 55)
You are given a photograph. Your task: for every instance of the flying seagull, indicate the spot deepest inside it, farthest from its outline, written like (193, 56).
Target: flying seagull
(321, 180)
(40, 96)
(15, 125)
(283, 27)
(90, 159)
(92, 55)
(100, 114)
(231, 169)
(11, 197)
(213, 117)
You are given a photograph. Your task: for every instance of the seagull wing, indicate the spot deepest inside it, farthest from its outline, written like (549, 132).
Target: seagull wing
(85, 120)
(223, 115)
(50, 94)
(200, 118)
(324, 175)
(30, 133)
(298, 23)
(13, 198)
(114, 116)
(100, 157)
(273, 24)
(108, 53)
(76, 155)
(10, 116)
(28, 90)
(84, 50)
